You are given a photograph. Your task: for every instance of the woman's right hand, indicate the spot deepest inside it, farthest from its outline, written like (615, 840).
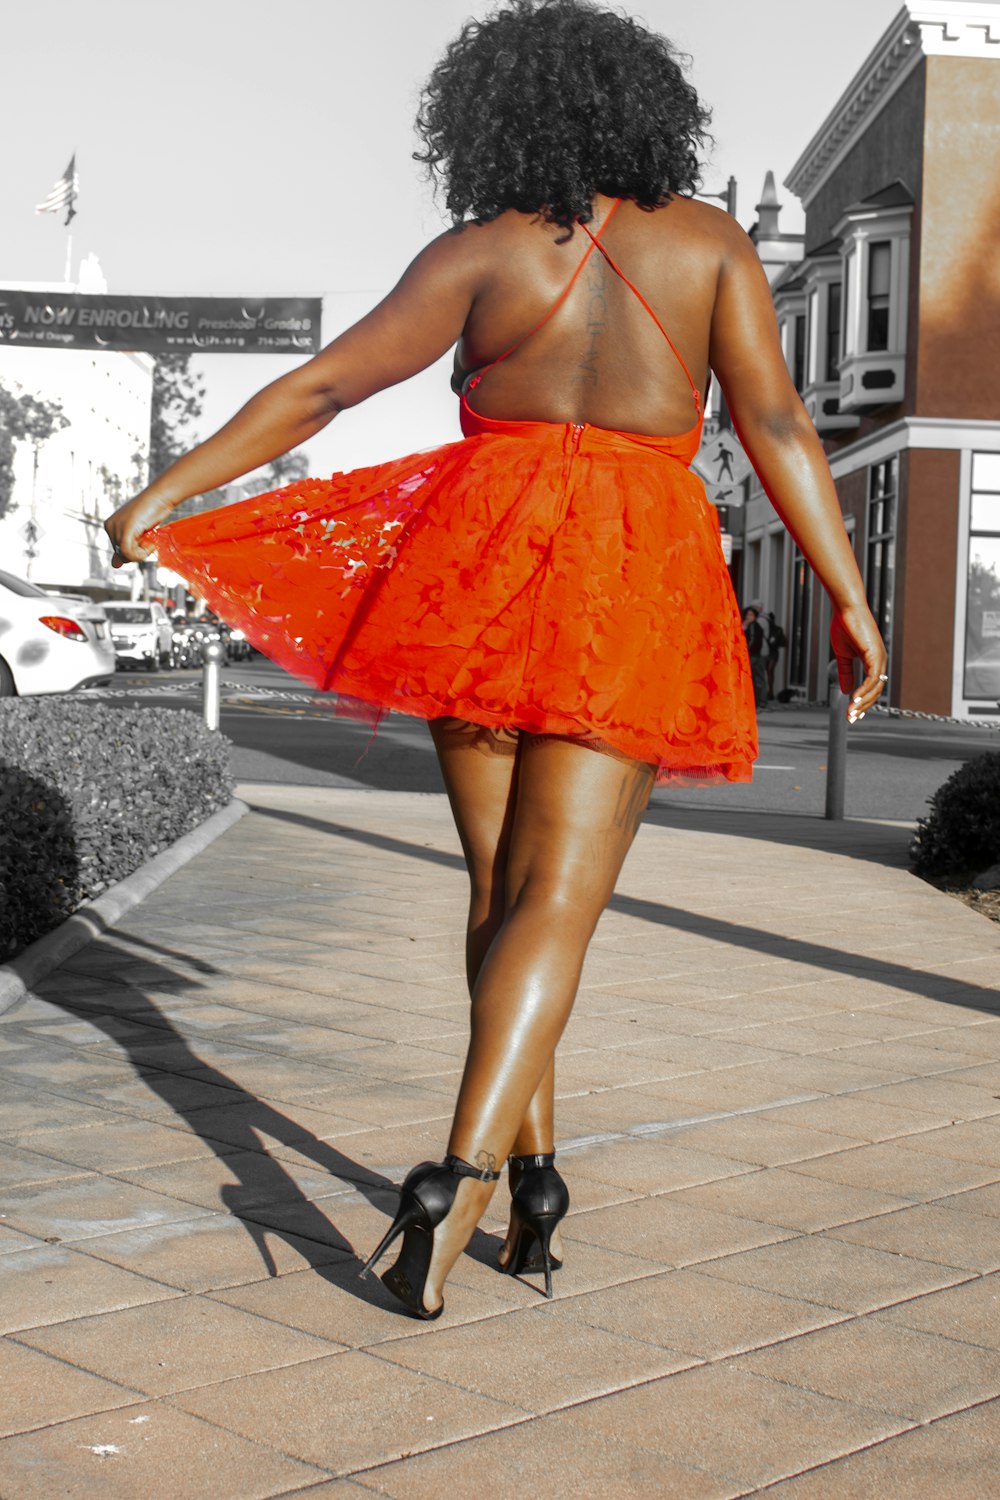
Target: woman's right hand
(127, 524)
(854, 636)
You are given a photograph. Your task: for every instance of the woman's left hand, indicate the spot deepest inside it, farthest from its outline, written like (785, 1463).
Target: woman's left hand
(129, 522)
(854, 636)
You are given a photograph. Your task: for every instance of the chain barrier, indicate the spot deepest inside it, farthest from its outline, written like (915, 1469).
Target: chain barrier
(312, 700)
(192, 688)
(911, 713)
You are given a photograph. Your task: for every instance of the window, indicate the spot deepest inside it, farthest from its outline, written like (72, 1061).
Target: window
(799, 352)
(883, 493)
(982, 615)
(875, 239)
(798, 634)
(812, 365)
(833, 332)
(822, 277)
(879, 284)
(752, 581)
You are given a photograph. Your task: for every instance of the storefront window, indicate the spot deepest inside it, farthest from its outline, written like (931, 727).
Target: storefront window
(982, 613)
(798, 635)
(883, 490)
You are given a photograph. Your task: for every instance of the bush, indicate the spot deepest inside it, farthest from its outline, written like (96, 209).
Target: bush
(88, 793)
(961, 836)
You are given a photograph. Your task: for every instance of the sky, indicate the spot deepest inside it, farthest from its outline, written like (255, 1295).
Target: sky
(242, 148)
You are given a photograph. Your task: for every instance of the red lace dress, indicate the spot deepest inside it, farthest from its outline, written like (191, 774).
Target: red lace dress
(561, 579)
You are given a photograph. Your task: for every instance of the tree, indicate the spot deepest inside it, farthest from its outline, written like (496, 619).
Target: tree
(23, 419)
(177, 402)
(285, 469)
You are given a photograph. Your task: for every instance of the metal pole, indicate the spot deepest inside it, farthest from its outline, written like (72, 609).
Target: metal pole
(213, 655)
(836, 750)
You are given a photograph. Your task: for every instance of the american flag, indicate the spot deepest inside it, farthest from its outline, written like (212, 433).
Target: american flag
(63, 194)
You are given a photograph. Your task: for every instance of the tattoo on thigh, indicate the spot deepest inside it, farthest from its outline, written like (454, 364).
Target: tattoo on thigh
(633, 795)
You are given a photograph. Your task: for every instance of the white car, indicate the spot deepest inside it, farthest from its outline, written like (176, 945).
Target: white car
(50, 644)
(142, 633)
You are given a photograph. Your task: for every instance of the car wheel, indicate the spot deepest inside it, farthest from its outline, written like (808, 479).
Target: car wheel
(7, 688)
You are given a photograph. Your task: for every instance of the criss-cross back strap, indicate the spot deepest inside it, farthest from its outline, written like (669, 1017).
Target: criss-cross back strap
(595, 244)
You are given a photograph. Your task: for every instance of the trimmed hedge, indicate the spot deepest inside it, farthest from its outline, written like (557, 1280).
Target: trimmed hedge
(961, 835)
(88, 793)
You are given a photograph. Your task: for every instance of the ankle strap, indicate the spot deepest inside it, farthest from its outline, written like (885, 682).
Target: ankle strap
(544, 1159)
(463, 1169)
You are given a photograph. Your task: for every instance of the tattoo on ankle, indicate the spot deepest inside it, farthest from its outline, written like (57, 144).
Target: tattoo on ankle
(486, 1161)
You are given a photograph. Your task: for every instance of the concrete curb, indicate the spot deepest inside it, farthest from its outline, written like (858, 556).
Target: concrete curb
(95, 917)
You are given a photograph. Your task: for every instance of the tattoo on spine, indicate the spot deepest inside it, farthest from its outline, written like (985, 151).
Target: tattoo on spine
(597, 310)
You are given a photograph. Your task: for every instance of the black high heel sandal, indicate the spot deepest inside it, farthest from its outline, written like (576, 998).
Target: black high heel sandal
(426, 1199)
(539, 1201)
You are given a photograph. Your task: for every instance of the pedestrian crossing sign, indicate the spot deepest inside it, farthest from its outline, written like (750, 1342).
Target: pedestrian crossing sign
(722, 463)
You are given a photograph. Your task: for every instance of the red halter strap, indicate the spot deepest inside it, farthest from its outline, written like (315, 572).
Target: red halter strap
(596, 244)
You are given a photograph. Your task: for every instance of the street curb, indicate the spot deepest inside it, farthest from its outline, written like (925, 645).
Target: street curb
(95, 917)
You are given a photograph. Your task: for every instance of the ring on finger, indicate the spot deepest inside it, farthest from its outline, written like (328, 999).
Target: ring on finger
(883, 677)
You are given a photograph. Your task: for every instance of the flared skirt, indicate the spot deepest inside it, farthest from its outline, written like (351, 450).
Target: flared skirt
(571, 583)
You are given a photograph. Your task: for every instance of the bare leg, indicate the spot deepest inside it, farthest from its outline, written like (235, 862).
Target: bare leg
(575, 814)
(479, 767)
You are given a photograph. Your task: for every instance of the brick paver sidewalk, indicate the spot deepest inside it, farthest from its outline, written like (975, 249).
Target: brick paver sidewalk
(780, 1123)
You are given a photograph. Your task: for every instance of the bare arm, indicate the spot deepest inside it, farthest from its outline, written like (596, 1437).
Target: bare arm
(787, 454)
(422, 317)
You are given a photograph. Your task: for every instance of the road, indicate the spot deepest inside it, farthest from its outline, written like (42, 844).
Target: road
(894, 765)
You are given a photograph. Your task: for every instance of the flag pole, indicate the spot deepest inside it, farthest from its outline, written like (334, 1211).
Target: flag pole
(69, 258)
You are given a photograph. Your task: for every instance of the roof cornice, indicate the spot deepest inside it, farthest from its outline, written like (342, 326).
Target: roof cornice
(943, 28)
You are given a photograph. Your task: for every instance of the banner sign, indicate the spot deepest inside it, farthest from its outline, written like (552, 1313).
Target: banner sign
(160, 325)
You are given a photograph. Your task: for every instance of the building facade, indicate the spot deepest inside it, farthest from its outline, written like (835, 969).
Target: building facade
(890, 322)
(51, 531)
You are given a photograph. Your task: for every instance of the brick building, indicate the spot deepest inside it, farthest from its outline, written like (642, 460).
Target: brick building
(890, 322)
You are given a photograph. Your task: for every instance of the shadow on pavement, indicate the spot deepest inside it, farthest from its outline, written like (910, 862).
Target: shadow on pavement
(265, 1198)
(876, 843)
(795, 950)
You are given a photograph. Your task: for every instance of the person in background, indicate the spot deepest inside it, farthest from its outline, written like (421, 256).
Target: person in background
(756, 639)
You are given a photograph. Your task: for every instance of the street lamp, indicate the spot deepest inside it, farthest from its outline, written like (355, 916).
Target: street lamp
(728, 197)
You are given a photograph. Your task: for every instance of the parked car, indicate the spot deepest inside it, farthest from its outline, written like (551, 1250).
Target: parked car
(142, 633)
(238, 648)
(50, 644)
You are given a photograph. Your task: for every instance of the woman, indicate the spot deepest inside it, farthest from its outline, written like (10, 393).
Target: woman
(550, 592)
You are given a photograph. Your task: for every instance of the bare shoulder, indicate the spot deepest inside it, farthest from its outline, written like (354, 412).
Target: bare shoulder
(705, 227)
(461, 250)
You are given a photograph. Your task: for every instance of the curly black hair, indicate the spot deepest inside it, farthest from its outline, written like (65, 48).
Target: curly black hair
(546, 102)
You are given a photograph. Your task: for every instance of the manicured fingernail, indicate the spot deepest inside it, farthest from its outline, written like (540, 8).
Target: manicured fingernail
(858, 698)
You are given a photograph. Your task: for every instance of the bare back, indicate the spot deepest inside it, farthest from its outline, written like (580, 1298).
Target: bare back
(600, 358)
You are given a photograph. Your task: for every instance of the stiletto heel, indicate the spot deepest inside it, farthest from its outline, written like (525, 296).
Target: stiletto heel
(426, 1199)
(538, 1204)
